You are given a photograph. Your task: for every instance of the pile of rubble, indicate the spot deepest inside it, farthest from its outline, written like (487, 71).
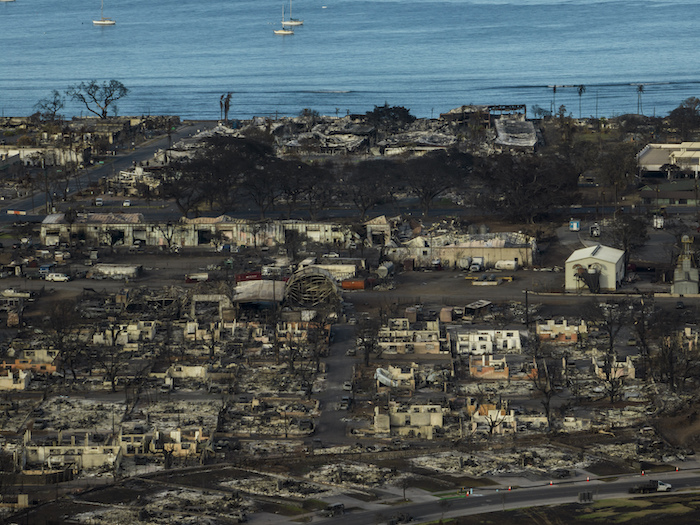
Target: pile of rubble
(171, 415)
(171, 506)
(533, 461)
(264, 485)
(14, 412)
(63, 413)
(355, 475)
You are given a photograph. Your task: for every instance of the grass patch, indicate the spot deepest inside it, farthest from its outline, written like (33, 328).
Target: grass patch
(623, 510)
(617, 503)
(362, 496)
(311, 505)
(464, 481)
(609, 479)
(429, 484)
(285, 509)
(657, 467)
(676, 509)
(609, 468)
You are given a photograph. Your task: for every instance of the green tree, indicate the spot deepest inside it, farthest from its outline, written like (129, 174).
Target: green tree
(628, 233)
(431, 175)
(686, 117)
(367, 183)
(390, 118)
(580, 90)
(526, 189)
(617, 166)
(98, 98)
(640, 91)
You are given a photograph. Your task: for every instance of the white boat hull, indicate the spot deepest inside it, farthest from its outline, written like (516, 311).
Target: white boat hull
(291, 22)
(284, 32)
(104, 22)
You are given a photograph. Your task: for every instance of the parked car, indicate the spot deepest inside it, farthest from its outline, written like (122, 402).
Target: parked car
(57, 277)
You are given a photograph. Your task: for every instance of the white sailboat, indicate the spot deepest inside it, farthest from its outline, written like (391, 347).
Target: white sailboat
(291, 21)
(103, 21)
(284, 30)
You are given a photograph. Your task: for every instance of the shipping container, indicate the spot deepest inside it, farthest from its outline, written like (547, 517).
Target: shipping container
(249, 276)
(353, 284)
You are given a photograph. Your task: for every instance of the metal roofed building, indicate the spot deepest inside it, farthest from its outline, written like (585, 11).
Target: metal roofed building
(596, 268)
(659, 157)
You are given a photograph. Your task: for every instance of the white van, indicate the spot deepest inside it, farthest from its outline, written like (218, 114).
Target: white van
(98, 201)
(57, 277)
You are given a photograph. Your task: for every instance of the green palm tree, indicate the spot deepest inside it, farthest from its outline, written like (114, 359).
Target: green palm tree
(640, 90)
(581, 90)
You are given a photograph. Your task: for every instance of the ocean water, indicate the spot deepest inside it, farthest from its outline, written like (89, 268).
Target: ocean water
(430, 56)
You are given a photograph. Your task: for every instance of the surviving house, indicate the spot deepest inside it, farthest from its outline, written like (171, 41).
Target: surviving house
(595, 269)
(670, 158)
(678, 192)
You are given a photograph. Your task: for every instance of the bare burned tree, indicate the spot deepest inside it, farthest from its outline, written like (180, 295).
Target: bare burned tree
(110, 356)
(368, 337)
(547, 381)
(63, 318)
(675, 360)
(50, 106)
(610, 317)
(643, 320)
(98, 98)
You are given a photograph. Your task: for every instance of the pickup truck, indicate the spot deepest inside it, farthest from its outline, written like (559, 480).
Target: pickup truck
(652, 485)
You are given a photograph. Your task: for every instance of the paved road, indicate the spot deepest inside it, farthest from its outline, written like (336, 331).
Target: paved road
(483, 501)
(122, 161)
(330, 427)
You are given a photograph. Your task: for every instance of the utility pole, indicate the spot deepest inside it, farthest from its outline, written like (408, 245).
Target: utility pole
(527, 311)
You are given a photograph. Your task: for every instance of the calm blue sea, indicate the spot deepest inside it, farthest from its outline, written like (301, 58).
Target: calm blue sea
(427, 55)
